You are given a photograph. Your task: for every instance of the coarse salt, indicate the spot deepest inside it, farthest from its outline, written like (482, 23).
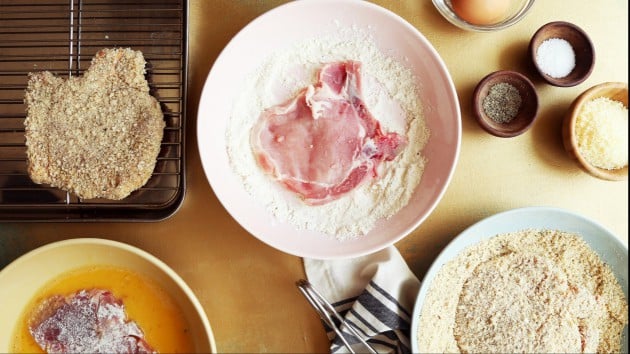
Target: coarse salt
(555, 57)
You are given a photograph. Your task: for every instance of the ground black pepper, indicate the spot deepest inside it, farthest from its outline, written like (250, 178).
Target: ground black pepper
(502, 102)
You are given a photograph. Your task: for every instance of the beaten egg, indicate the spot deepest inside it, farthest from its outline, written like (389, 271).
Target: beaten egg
(481, 12)
(155, 312)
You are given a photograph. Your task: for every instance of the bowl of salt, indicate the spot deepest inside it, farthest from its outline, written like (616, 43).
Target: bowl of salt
(562, 53)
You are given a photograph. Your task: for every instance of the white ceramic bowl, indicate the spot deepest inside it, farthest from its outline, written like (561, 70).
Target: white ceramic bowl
(304, 20)
(20, 280)
(609, 248)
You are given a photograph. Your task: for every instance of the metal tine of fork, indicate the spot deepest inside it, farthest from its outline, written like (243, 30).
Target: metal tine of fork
(332, 310)
(324, 309)
(325, 317)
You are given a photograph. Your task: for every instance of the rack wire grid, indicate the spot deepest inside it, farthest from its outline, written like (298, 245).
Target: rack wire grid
(61, 36)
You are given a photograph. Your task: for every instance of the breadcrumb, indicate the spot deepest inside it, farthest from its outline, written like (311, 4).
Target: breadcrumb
(97, 136)
(530, 291)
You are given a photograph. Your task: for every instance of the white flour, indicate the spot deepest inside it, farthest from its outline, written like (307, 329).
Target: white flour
(391, 94)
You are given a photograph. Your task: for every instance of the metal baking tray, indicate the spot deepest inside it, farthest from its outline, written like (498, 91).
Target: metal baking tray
(61, 36)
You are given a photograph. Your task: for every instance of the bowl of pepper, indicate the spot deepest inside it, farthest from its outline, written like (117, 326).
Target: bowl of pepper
(595, 131)
(505, 103)
(562, 53)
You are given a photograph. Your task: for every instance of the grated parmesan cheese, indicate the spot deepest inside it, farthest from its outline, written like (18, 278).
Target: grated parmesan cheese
(602, 133)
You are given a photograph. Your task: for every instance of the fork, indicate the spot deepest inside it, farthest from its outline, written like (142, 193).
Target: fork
(328, 314)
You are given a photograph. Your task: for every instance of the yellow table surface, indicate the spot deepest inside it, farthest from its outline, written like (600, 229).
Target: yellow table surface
(247, 288)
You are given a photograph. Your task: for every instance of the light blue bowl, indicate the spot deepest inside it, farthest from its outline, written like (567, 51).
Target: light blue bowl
(609, 247)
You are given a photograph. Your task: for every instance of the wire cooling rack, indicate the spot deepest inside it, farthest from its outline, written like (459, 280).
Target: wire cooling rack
(61, 36)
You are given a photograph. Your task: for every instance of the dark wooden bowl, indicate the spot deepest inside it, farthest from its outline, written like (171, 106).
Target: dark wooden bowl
(617, 91)
(527, 112)
(582, 47)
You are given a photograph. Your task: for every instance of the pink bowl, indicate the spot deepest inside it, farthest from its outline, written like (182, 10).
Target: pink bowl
(305, 19)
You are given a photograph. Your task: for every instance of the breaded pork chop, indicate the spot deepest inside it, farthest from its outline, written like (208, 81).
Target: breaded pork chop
(99, 135)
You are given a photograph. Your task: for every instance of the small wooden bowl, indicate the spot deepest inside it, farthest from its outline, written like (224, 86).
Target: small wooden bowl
(582, 47)
(526, 114)
(617, 91)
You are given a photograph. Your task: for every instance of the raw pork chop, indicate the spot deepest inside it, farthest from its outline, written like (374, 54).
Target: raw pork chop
(91, 321)
(324, 142)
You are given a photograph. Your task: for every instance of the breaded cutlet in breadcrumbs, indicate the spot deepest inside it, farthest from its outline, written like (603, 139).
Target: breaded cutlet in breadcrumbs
(99, 135)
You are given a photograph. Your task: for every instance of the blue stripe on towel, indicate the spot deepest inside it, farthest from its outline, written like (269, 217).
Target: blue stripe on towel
(382, 343)
(388, 317)
(343, 302)
(372, 301)
(388, 296)
(363, 320)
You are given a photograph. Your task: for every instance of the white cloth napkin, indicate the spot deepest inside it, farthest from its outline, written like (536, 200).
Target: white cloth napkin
(374, 293)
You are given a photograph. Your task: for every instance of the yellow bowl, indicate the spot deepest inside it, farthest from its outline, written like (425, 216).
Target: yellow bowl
(23, 278)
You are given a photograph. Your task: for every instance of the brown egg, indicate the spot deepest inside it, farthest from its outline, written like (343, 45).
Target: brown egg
(481, 12)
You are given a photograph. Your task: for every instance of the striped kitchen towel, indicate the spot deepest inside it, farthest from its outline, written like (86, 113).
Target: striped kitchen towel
(374, 293)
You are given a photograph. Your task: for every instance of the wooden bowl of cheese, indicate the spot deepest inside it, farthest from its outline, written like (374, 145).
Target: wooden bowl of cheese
(595, 131)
